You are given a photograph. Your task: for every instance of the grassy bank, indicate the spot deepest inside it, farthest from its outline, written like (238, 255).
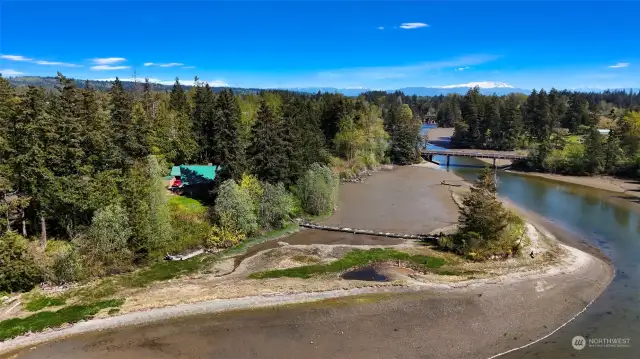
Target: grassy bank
(353, 259)
(12, 328)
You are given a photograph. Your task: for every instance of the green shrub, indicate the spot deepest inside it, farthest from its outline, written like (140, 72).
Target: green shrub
(18, 271)
(105, 245)
(66, 267)
(446, 243)
(275, 207)
(318, 190)
(190, 227)
(238, 206)
(225, 234)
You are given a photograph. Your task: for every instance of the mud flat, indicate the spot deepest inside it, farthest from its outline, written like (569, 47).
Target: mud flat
(510, 304)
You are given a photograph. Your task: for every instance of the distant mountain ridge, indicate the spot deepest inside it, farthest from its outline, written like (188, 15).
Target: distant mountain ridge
(486, 88)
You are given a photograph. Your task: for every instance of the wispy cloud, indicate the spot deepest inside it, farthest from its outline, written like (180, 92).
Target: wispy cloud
(213, 83)
(37, 62)
(619, 65)
(380, 27)
(188, 67)
(56, 63)
(413, 25)
(108, 60)
(170, 64)
(463, 68)
(15, 58)
(108, 68)
(364, 74)
(10, 72)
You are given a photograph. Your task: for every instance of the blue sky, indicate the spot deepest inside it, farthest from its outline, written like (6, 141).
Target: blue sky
(379, 45)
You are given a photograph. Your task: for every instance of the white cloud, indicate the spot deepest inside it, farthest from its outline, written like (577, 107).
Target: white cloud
(413, 25)
(37, 62)
(15, 58)
(108, 68)
(169, 64)
(189, 67)
(463, 68)
(619, 65)
(365, 74)
(10, 72)
(108, 60)
(56, 63)
(213, 83)
(380, 27)
(481, 84)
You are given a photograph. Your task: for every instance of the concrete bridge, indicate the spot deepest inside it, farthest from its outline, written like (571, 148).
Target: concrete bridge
(428, 155)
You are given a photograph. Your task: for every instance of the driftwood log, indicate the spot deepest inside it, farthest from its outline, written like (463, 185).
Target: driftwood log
(370, 232)
(169, 257)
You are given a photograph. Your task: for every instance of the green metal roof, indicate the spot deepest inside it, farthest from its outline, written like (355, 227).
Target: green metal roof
(194, 174)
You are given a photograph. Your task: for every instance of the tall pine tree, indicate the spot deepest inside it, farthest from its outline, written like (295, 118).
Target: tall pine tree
(268, 151)
(227, 151)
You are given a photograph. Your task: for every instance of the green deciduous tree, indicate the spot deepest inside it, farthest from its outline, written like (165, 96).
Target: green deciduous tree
(235, 209)
(318, 189)
(404, 132)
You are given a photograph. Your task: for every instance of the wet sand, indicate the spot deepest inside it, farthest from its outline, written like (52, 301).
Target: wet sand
(409, 199)
(312, 236)
(476, 321)
(466, 323)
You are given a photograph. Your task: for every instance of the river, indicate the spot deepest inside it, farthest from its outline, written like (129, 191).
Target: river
(428, 325)
(606, 220)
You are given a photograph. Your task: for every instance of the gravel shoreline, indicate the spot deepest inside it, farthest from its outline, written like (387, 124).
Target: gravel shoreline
(559, 292)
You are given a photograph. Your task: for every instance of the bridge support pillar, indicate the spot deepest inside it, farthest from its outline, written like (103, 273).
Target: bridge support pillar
(494, 163)
(448, 157)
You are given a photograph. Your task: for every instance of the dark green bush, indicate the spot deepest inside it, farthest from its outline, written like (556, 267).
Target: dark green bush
(18, 271)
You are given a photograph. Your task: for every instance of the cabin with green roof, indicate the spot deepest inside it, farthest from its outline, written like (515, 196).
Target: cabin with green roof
(191, 175)
(192, 180)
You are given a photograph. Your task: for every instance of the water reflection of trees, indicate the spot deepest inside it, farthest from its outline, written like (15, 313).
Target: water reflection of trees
(621, 215)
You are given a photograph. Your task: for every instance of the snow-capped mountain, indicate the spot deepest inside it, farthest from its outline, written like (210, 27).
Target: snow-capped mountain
(481, 84)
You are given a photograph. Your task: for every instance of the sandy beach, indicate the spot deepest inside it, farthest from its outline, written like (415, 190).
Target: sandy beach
(415, 317)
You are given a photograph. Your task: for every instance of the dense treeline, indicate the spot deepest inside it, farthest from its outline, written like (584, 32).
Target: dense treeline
(559, 128)
(82, 169)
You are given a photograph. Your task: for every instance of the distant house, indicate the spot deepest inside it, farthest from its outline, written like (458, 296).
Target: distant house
(604, 131)
(192, 178)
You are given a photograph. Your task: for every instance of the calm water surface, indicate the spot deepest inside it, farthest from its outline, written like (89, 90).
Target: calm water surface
(607, 220)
